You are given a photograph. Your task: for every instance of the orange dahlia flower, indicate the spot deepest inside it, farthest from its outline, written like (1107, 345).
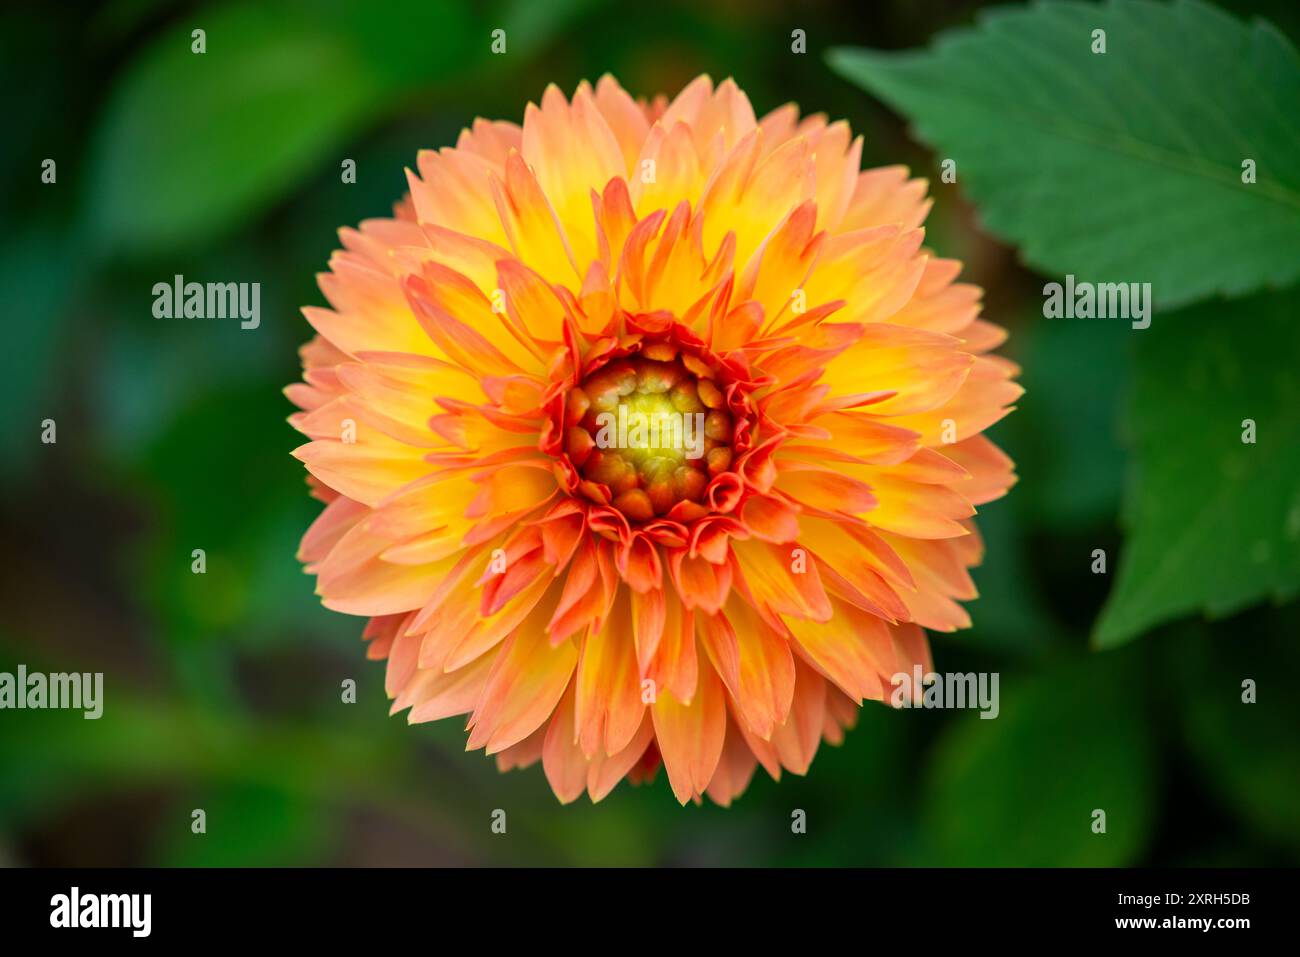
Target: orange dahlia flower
(603, 603)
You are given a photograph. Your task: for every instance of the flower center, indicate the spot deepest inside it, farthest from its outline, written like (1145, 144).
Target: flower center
(651, 431)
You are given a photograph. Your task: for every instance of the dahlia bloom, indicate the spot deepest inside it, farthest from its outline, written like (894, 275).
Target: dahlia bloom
(607, 606)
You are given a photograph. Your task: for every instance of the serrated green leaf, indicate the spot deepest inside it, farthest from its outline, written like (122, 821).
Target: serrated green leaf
(1116, 166)
(1213, 521)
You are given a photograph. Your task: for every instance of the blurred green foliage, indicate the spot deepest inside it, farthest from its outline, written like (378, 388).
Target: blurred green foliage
(223, 690)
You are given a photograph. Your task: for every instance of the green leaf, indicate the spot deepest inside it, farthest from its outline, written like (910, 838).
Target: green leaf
(1213, 520)
(191, 142)
(1022, 789)
(1116, 166)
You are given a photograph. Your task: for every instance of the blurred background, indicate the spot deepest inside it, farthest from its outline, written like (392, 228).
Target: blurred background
(222, 690)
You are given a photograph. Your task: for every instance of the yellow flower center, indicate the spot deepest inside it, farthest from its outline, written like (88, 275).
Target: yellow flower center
(650, 431)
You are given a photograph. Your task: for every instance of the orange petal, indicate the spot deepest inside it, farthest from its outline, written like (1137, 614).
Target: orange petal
(573, 151)
(690, 735)
(779, 577)
(755, 664)
(605, 772)
(735, 769)
(562, 760)
(854, 649)
(625, 119)
(608, 707)
(797, 740)
(451, 693)
(674, 667)
(533, 229)
(700, 583)
(527, 679)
